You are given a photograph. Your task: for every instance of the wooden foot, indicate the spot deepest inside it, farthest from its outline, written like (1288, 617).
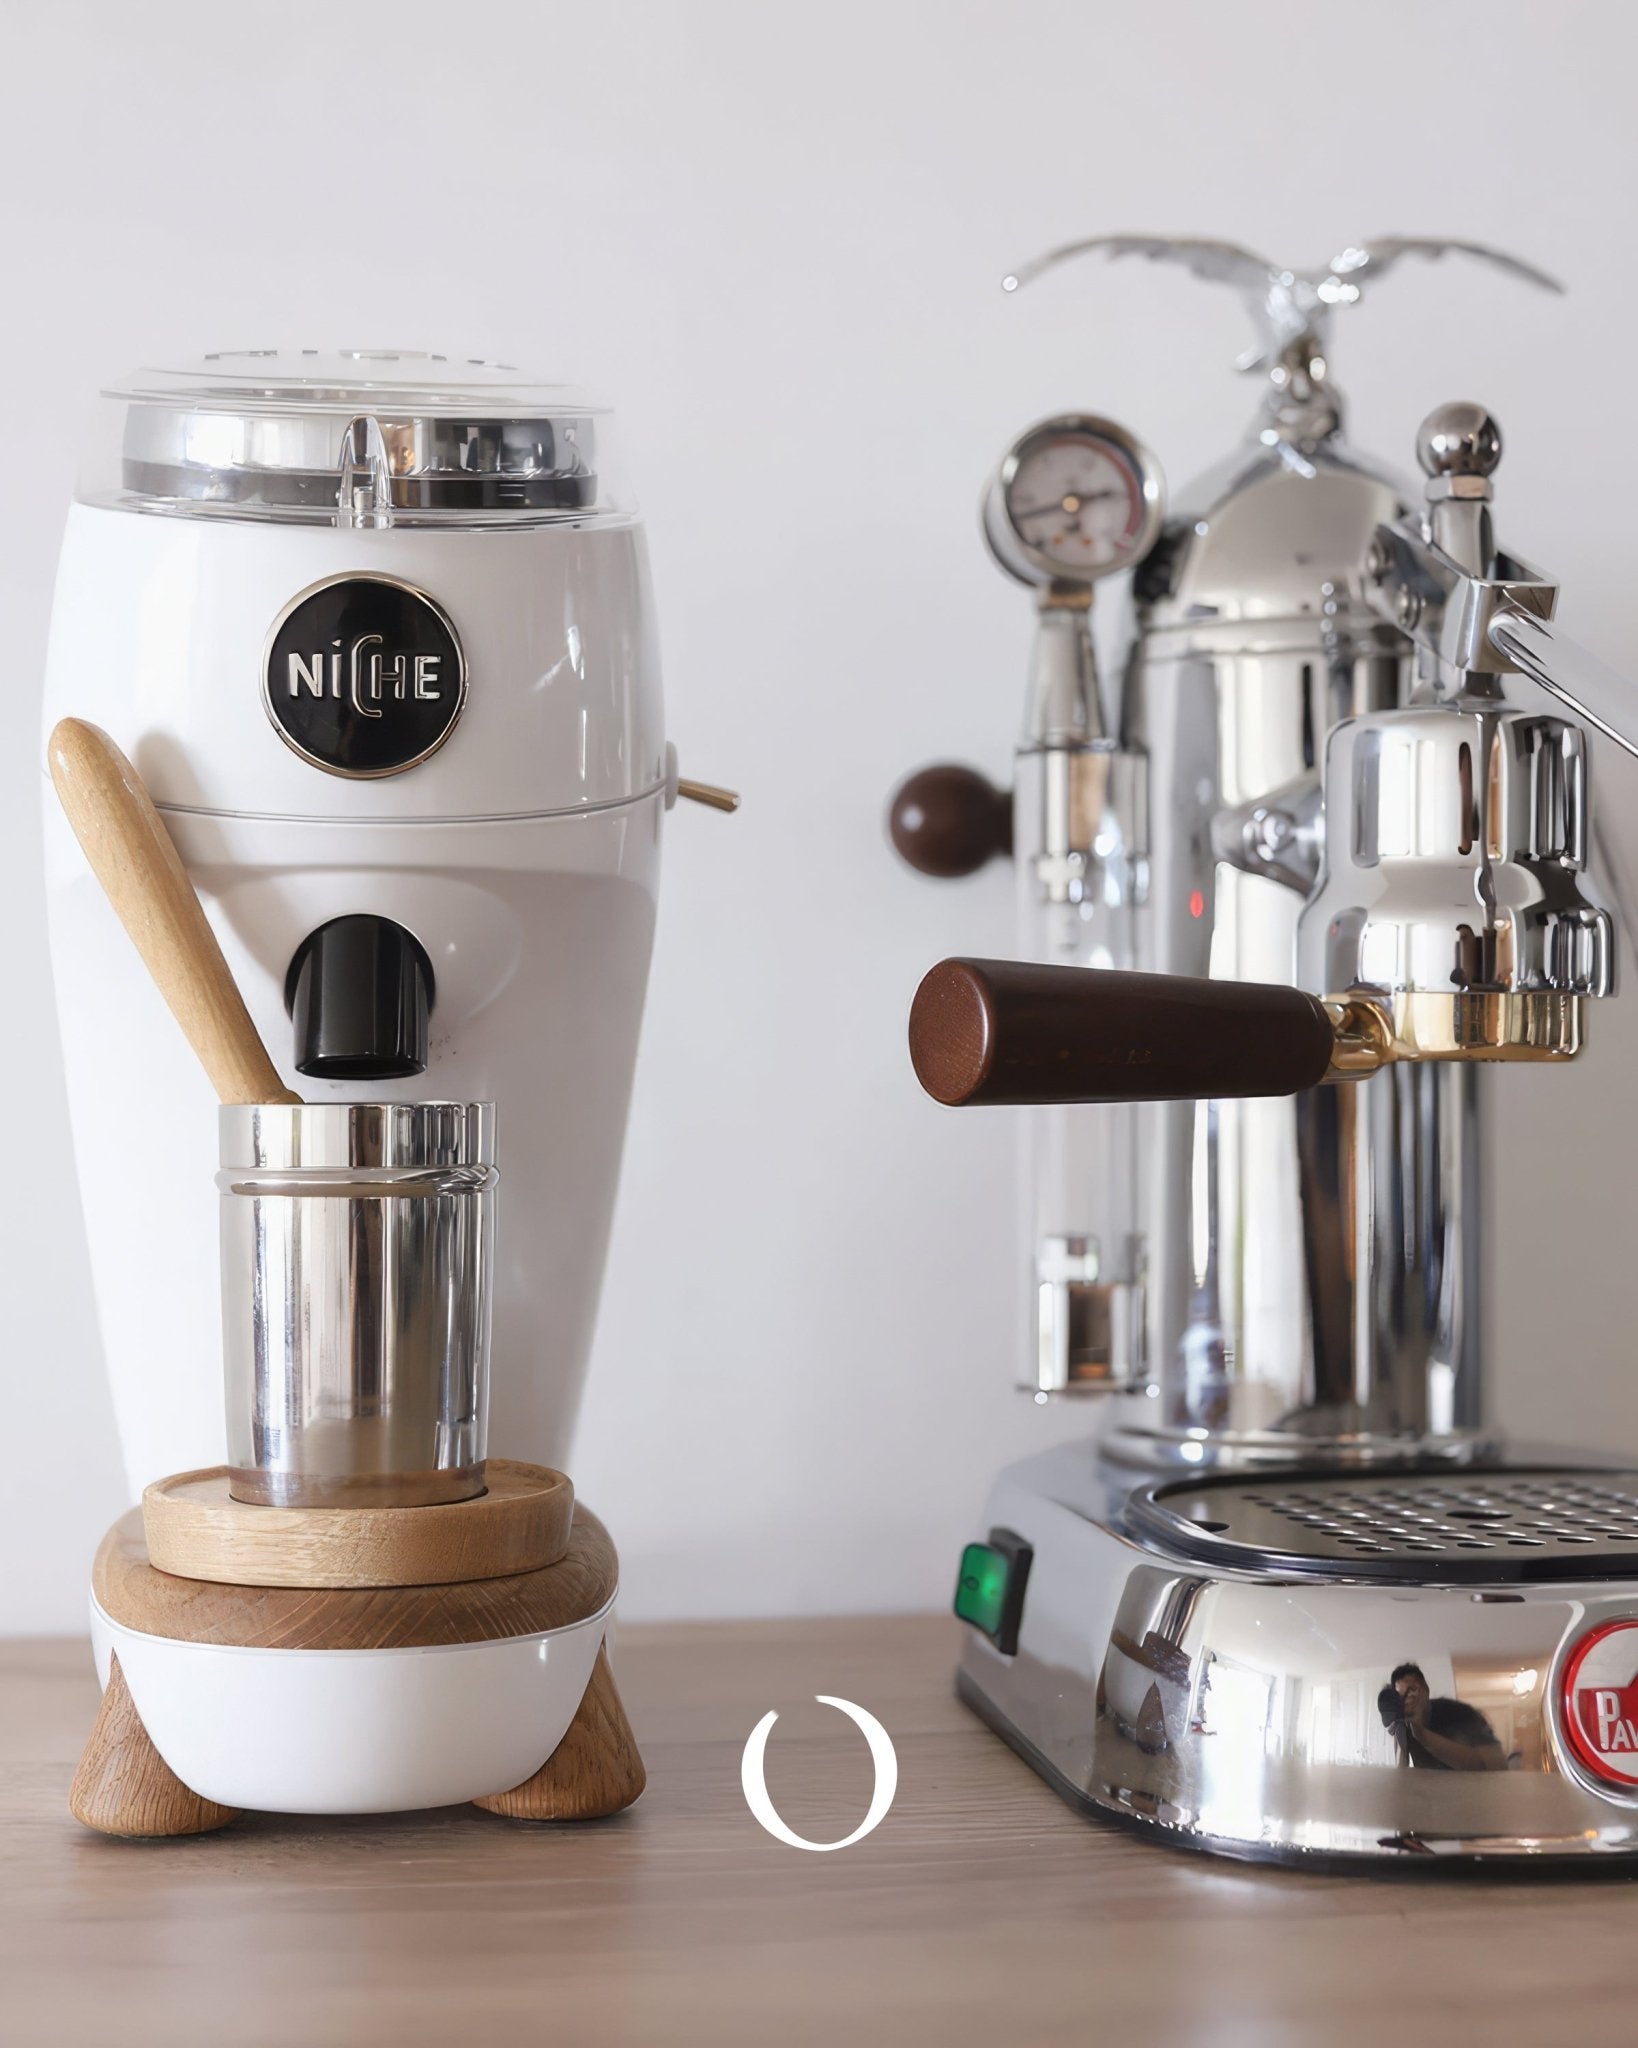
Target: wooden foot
(594, 1770)
(125, 1787)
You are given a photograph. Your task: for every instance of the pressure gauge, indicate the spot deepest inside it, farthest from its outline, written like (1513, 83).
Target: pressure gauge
(1075, 498)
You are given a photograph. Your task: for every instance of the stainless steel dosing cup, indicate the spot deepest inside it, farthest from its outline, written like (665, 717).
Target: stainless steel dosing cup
(357, 1255)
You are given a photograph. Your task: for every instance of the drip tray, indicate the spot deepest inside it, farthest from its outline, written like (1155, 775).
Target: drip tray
(1474, 1526)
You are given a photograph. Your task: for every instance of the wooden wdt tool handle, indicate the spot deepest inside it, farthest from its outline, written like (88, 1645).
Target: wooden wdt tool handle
(132, 856)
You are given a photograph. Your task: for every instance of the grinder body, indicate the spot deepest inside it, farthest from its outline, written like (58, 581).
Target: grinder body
(520, 853)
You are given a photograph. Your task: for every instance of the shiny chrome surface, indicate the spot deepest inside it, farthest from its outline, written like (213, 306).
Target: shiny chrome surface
(1366, 1648)
(1441, 579)
(1258, 1715)
(1321, 1258)
(1343, 1319)
(1448, 610)
(1106, 444)
(1479, 1526)
(363, 437)
(1587, 687)
(357, 1255)
(1458, 828)
(1454, 865)
(1311, 1265)
(1065, 707)
(1291, 308)
(1313, 715)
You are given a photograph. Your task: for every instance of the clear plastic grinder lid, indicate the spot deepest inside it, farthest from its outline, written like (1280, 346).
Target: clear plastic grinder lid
(353, 437)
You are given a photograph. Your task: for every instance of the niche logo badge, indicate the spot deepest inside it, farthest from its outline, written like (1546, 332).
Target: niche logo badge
(364, 675)
(1598, 1703)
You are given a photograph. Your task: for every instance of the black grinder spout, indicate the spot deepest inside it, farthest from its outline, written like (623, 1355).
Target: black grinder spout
(359, 991)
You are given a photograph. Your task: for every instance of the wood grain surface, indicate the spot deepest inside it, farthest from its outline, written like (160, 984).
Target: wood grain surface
(136, 861)
(1017, 1031)
(982, 1913)
(125, 1787)
(195, 1529)
(595, 1770)
(129, 1590)
(948, 820)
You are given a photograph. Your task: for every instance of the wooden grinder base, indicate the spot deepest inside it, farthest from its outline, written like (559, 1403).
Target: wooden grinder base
(124, 1787)
(197, 1530)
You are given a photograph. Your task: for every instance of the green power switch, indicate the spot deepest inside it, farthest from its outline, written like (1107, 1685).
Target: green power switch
(990, 1587)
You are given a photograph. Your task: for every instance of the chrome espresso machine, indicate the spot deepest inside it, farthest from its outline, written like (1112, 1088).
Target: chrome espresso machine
(1321, 853)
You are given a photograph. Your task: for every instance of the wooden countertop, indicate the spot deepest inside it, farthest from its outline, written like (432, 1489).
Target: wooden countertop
(980, 1911)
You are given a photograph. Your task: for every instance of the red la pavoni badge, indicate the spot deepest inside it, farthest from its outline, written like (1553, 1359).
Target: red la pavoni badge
(1598, 1702)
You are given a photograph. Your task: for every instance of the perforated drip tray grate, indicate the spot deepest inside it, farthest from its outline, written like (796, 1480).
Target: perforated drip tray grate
(1474, 1526)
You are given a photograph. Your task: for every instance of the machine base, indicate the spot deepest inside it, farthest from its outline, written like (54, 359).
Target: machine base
(220, 1698)
(1244, 1702)
(123, 1786)
(1327, 1863)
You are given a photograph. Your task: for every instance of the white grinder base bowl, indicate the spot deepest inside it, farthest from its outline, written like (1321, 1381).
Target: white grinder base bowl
(354, 1731)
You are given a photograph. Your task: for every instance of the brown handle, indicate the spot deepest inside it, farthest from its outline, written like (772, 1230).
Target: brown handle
(948, 821)
(1007, 1031)
(132, 856)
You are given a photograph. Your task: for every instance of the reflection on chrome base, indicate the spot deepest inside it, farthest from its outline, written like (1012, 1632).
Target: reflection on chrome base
(1417, 1666)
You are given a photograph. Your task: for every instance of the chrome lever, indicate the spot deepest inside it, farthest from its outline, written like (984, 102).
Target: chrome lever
(1598, 695)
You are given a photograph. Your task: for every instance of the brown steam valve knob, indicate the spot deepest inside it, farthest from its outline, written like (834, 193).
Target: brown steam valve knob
(1013, 1032)
(949, 820)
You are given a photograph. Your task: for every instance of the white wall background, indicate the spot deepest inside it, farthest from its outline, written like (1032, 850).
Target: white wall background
(774, 235)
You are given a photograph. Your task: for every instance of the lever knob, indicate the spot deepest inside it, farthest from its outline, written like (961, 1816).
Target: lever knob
(1014, 1032)
(1459, 439)
(948, 821)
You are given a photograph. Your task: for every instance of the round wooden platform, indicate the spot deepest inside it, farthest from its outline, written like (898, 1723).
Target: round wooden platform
(196, 1530)
(132, 1592)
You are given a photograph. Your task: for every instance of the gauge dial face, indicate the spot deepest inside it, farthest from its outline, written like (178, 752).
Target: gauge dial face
(1077, 500)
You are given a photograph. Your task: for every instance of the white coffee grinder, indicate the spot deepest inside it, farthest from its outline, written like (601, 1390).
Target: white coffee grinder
(375, 631)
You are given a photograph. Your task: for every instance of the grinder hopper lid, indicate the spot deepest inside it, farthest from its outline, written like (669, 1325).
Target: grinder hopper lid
(353, 437)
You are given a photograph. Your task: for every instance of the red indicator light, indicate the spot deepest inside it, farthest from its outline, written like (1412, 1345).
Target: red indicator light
(1197, 903)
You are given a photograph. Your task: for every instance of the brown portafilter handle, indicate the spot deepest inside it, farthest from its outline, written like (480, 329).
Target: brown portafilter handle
(947, 821)
(1012, 1032)
(141, 872)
